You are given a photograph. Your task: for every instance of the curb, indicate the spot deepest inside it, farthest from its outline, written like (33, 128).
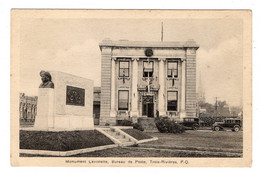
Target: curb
(147, 140)
(66, 153)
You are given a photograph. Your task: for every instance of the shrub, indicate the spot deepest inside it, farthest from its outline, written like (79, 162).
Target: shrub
(138, 126)
(107, 124)
(210, 120)
(164, 125)
(125, 123)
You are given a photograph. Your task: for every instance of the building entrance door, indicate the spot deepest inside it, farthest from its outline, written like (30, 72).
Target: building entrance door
(148, 106)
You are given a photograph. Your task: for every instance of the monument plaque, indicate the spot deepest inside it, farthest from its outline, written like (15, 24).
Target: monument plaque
(75, 96)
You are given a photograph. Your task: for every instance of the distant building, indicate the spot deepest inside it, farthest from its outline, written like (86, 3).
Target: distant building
(146, 79)
(27, 107)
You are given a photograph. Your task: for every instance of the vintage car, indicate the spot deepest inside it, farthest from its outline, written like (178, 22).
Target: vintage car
(229, 123)
(191, 123)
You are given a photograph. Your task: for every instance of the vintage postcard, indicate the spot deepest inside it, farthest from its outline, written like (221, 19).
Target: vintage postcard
(131, 88)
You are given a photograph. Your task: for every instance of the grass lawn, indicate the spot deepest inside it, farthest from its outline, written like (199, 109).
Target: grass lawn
(62, 141)
(205, 139)
(139, 135)
(188, 144)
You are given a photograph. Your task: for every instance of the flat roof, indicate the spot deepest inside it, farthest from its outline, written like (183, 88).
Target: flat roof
(125, 43)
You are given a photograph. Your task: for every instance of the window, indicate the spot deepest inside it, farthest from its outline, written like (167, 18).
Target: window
(148, 69)
(172, 70)
(123, 100)
(123, 68)
(172, 101)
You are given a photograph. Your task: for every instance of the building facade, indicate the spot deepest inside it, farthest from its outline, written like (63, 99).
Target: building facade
(147, 79)
(27, 107)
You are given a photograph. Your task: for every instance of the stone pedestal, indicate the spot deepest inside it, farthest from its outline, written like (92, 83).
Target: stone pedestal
(69, 106)
(45, 111)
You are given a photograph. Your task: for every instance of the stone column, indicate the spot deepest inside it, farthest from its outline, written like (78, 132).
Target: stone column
(183, 89)
(134, 102)
(162, 78)
(113, 76)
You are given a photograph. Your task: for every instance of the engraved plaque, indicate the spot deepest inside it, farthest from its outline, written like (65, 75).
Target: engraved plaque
(75, 96)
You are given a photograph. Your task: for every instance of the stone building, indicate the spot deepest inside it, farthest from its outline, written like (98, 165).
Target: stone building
(147, 79)
(27, 107)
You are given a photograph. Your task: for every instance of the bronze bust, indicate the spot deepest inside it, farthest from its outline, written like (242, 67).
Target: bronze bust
(46, 80)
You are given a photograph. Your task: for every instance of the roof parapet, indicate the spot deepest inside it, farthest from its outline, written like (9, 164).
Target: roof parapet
(125, 43)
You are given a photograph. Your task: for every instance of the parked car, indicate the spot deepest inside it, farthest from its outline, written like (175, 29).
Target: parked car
(233, 124)
(191, 123)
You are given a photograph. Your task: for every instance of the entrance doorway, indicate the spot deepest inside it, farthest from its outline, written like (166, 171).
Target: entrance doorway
(148, 106)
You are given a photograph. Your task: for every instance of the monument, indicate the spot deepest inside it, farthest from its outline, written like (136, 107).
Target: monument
(65, 102)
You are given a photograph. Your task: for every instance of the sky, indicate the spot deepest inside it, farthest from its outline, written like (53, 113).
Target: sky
(72, 46)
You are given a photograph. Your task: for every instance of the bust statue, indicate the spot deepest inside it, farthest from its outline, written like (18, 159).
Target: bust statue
(46, 80)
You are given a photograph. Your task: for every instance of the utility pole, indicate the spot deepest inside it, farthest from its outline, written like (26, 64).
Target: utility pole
(216, 106)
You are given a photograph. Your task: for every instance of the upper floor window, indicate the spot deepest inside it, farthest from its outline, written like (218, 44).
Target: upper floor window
(148, 69)
(172, 101)
(123, 68)
(172, 71)
(123, 96)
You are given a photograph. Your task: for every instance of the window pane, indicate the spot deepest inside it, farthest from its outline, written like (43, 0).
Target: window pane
(172, 108)
(169, 73)
(123, 72)
(148, 65)
(148, 69)
(123, 100)
(123, 95)
(123, 68)
(175, 73)
(123, 105)
(126, 72)
(124, 64)
(172, 95)
(172, 65)
(172, 101)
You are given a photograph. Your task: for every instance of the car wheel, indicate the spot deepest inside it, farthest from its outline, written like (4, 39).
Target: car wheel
(217, 128)
(236, 128)
(194, 127)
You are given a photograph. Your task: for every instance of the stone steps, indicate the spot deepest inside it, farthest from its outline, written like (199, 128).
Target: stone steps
(124, 141)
